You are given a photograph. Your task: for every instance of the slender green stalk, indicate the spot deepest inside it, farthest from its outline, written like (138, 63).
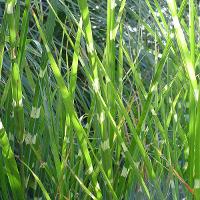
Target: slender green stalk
(10, 165)
(197, 155)
(2, 44)
(185, 54)
(16, 82)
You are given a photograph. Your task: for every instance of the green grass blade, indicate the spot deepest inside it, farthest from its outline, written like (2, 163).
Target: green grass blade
(10, 165)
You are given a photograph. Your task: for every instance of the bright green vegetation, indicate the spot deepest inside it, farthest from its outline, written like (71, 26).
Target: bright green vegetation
(99, 99)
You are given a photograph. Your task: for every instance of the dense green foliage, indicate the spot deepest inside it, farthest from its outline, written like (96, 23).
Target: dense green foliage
(99, 99)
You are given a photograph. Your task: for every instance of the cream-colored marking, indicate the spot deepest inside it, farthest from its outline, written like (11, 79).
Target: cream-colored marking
(107, 79)
(124, 172)
(137, 164)
(42, 72)
(196, 94)
(101, 117)
(35, 113)
(30, 139)
(1, 125)
(9, 9)
(105, 145)
(153, 88)
(20, 103)
(43, 165)
(113, 4)
(14, 104)
(124, 147)
(97, 186)
(90, 170)
(171, 35)
(79, 153)
(140, 189)
(191, 71)
(112, 35)
(90, 47)
(153, 112)
(170, 2)
(175, 117)
(176, 21)
(196, 183)
(172, 184)
(143, 127)
(96, 85)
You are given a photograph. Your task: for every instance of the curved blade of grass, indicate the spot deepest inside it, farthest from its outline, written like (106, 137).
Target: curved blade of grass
(44, 191)
(23, 34)
(10, 165)
(2, 43)
(74, 68)
(192, 108)
(197, 155)
(185, 54)
(87, 191)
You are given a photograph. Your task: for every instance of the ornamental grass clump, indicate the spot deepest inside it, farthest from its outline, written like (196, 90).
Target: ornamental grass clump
(99, 100)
